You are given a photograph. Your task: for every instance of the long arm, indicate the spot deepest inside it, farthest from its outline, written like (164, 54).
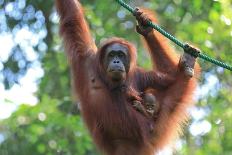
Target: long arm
(177, 96)
(164, 59)
(74, 29)
(151, 79)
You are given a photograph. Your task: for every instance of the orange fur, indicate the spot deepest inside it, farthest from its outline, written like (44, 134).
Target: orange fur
(116, 127)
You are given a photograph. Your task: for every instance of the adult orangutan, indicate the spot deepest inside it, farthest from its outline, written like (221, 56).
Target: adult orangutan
(108, 83)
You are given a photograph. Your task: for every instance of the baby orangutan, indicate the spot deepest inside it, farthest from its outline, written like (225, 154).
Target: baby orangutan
(148, 104)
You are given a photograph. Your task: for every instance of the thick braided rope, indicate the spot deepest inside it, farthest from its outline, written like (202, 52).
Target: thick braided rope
(176, 41)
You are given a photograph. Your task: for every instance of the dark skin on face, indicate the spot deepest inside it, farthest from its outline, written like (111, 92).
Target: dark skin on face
(116, 62)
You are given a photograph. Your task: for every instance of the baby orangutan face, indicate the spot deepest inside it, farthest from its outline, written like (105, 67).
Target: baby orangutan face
(149, 106)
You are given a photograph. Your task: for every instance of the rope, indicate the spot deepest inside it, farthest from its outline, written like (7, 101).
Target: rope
(177, 42)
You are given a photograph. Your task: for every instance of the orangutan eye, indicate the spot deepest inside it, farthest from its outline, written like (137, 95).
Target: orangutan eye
(121, 54)
(111, 54)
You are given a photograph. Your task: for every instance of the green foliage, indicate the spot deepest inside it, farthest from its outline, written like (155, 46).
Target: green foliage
(45, 129)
